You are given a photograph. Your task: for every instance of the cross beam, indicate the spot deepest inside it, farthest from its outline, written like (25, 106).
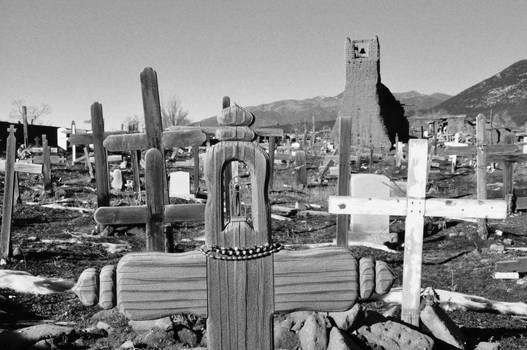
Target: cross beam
(415, 207)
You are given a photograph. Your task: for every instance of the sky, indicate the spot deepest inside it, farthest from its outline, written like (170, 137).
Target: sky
(71, 53)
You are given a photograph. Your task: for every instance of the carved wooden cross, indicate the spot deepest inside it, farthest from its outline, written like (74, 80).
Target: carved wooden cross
(416, 207)
(242, 278)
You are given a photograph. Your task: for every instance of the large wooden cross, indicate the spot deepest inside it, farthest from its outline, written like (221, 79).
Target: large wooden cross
(10, 167)
(415, 206)
(240, 278)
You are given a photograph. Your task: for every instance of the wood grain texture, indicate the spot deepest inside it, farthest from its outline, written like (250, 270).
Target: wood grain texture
(176, 137)
(343, 184)
(23, 167)
(384, 277)
(87, 138)
(235, 133)
(9, 189)
(135, 156)
(441, 207)
(154, 285)
(46, 166)
(413, 238)
(101, 165)
(321, 279)
(138, 214)
(481, 171)
(240, 293)
(235, 116)
(195, 173)
(107, 287)
(508, 168)
(366, 277)
(301, 169)
(155, 200)
(470, 150)
(272, 148)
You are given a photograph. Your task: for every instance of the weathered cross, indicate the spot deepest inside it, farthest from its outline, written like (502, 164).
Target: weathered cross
(242, 278)
(10, 167)
(415, 206)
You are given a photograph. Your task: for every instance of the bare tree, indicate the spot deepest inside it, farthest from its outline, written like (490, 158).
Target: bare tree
(33, 112)
(172, 113)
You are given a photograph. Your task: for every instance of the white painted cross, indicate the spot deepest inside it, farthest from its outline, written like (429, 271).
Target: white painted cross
(416, 207)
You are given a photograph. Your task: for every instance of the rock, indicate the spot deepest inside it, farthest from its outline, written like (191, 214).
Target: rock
(366, 277)
(26, 337)
(43, 345)
(107, 231)
(139, 327)
(284, 338)
(297, 319)
(17, 252)
(506, 241)
(391, 335)
(127, 345)
(157, 338)
(105, 326)
(496, 248)
(345, 320)
(339, 340)
(93, 333)
(436, 322)
(105, 315)
(107, 287)
(187, 336)
(86, 287)
(484, 345)
(393, 311)
(313, 335)
(384, 277)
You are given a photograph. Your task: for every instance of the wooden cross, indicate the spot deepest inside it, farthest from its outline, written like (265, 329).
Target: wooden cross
(416, 207)
(241, 279)
(10, 167)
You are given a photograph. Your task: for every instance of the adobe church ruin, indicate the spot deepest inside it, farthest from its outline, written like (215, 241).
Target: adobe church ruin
(376, 115)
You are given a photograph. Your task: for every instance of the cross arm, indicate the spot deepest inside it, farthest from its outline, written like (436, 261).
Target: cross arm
(153, 285)
(397, 206)
(176, 137)
(87, 138)
(138, 214)
(470, 150)
(23, 167)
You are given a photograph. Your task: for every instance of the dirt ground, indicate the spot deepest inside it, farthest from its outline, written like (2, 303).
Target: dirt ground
(59, 243)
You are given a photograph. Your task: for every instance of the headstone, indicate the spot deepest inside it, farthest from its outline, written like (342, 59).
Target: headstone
(62, 138)
(179, 184)
(334, 171)
(370, 228)
(117, 180)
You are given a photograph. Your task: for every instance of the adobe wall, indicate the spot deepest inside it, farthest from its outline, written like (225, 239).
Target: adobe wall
(376, 115)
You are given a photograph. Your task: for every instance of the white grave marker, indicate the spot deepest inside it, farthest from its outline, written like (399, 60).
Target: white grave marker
(179, 184)
(62, 138)
(370, 228)
(117, 180)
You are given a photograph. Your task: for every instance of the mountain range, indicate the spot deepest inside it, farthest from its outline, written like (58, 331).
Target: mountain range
(504, 95)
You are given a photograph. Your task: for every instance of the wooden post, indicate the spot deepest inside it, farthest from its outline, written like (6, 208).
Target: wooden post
(481, 171)
(370, 167)
(101, 165)
(413, 237)
(272, 147)
(135, 157)
(24, 120)
(37, 141)
(154, 200)
(7, 208)
(154, 130)
(301, 169)
(227, 172)
(46, 161)
(195, 156)
(73, 146)
(508, 167)
(343, 186)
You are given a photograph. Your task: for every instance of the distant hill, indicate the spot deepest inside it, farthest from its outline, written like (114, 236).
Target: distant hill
(414, 101)
(289, 114)
(504, 93)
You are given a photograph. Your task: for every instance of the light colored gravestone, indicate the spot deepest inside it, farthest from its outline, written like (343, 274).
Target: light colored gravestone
(179, 184)
(117, 180)
(62, 138)
(370, 228)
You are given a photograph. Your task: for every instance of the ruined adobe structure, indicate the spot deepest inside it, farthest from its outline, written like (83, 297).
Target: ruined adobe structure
(376, 115)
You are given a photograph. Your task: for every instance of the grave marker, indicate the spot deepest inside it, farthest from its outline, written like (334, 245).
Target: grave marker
(179, 184)
(415, 207)
(370, 228)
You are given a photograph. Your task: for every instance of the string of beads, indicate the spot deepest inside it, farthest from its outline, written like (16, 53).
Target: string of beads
(236, 253)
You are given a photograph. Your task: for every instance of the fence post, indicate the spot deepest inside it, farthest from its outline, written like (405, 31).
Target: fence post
(9, 182)
(343, 186)
(101, 165)
(46, 167)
